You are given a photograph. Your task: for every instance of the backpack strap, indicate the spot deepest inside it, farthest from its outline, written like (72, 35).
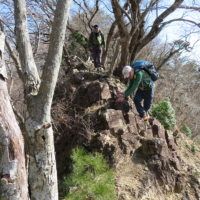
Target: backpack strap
(142, 87)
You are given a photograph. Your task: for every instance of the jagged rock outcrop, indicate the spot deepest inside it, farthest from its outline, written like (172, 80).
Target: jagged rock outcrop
(151, 163)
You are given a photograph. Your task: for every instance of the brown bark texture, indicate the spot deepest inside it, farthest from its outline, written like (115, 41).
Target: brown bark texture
(13, 177)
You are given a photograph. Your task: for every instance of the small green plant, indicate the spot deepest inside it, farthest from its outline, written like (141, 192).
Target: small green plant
(196, 172)
(194, 147)
(91, 178)
(187, 145)
(186, 130)
(198, 140)
(164, 113)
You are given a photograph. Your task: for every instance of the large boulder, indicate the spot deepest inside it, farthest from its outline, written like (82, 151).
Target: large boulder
(129, 143)
(170, 140)
(114, 120)
(180, 183)
(92, 92)
(98, 91)
(105, 143)
(155, 146)
(158, 130)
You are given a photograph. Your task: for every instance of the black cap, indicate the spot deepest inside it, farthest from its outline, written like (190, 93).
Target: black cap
(96, 26)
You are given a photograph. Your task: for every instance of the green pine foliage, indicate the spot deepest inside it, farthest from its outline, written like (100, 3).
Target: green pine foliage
(194, 147)
(78, 44)
(164, 113)
(186, 130)
(91, 178)
(196, 172)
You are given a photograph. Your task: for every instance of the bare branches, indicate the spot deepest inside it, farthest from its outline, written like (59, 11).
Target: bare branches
(38, 34)
(183, 20)
(156, 28)
(87, 10)
(94, 13)
(177, 47)
(190, 8)
(123, 11)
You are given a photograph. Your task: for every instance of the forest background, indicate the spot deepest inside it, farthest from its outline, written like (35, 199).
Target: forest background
(174, 49)
(165, 33)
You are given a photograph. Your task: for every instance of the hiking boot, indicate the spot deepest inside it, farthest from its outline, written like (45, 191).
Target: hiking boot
(145, 117)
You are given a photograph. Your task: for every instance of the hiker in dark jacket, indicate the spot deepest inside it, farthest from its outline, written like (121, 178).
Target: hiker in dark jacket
(96, 41)
(137, 80)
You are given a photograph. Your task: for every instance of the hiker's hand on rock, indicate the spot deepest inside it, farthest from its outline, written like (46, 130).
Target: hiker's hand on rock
(120, 93)
(120, 99)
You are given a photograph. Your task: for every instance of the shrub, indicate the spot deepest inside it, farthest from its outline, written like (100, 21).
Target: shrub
(197, 140)
(194, 147)
(186, 130)
(91, 178)
(164, 113)
(196, 172)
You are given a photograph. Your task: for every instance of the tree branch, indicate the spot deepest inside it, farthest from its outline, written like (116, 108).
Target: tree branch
(31, 76)
(82, 8)
(155, 28)
(175, 20)
(134, 28)
(38, 28)
(190, 8)
(95, 12)
(12, 54)
(123, 11)
(54, 56)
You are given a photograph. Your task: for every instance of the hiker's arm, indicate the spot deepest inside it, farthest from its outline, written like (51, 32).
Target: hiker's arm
(135, 85)
(103, 41)
(129, 85)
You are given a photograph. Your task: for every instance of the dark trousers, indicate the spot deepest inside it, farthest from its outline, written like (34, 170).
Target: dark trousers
(147, 95)
(96, 54)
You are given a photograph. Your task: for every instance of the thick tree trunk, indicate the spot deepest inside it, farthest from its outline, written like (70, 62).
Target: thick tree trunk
(124, 60)
(13, 177)
(42, 164)
(38, 98)
(38, 129)
(114, 59)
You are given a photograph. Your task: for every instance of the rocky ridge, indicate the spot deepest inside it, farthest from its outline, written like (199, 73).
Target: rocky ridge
(150, 163)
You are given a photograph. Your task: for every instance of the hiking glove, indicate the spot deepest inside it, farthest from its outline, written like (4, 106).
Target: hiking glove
(120, 99)
(120, 93)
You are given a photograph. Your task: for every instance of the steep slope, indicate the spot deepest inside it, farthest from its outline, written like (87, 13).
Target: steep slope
(150, 163)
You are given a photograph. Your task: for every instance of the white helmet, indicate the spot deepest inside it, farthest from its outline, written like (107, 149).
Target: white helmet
(126, 71)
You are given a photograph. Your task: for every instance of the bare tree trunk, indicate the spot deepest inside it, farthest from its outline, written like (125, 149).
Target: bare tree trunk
(37, 111)
(114, 59)
(109, 37)
(13, 175)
